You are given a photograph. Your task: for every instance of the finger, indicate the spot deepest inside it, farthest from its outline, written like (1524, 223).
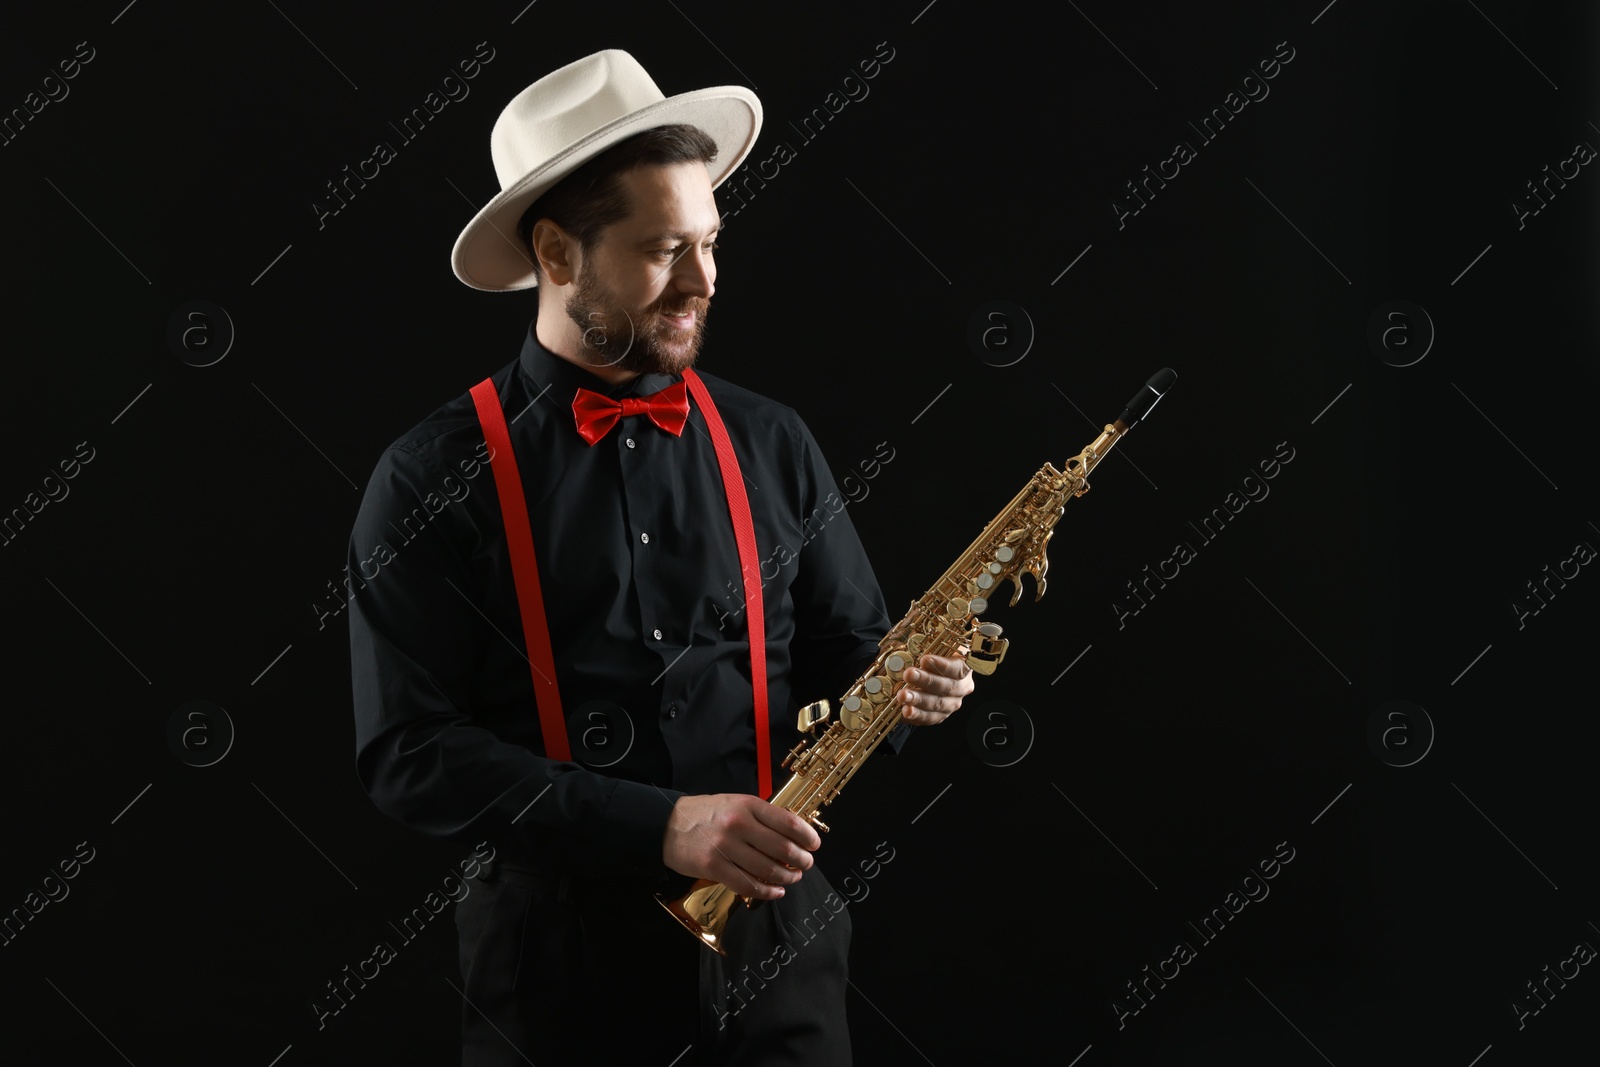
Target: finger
(925, 704)
(918, 717)
(923, 682)
(742, 868)
(949, 667)
(767, 869)
(749, 856)
(775, 859)
(720, 866)
(787, 828)
(746, 867)
(929, 700)
(939, 694)
(740, 881)
(942, 675)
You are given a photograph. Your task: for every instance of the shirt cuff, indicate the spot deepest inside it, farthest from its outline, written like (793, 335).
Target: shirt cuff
(638, 813)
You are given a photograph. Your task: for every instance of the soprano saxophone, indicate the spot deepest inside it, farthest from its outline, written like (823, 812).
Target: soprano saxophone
(944, 622)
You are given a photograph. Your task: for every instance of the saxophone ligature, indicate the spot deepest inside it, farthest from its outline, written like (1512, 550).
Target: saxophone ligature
(946, 621)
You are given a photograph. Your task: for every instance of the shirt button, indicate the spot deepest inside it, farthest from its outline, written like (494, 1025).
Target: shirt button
(658, 635)
(628, 442)
(644, 537)
(672, 711)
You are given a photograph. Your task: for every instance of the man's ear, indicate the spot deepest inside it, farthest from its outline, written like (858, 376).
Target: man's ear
(556, 251)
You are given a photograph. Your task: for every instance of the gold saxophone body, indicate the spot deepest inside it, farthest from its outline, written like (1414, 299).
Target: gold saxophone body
(946, 621)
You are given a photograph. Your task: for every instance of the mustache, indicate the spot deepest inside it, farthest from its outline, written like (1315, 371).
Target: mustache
(698, 305)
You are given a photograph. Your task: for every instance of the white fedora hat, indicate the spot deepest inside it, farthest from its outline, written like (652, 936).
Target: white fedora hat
(567, 118)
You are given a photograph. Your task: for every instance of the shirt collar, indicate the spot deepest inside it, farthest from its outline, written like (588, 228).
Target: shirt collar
(546, 370)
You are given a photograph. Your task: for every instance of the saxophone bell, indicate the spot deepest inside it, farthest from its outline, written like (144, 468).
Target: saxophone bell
(704, 911)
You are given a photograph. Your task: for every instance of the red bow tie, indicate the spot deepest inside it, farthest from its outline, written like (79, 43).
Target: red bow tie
(596, 413)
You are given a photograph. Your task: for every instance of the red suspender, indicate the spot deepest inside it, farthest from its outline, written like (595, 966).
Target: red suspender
(524, 569)
(530, 597)
(744, 532)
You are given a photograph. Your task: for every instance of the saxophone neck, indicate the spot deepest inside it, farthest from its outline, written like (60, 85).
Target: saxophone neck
(1143, 402)
(1079, 466)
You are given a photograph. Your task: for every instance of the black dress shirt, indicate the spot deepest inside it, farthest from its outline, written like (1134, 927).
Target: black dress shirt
(644, 601)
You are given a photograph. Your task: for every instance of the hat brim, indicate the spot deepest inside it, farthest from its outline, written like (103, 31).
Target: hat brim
(489, 256)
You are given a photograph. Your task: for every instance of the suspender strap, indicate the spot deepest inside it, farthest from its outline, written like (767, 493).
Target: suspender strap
(744, 533)
(524, 569)
(530, 597)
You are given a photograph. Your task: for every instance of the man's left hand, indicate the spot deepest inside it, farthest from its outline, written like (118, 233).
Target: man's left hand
(934, 688)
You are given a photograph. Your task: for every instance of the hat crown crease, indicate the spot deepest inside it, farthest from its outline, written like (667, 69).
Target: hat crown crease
(563, 110)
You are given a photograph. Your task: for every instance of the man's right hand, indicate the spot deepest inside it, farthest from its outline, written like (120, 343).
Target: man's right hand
(754, 847)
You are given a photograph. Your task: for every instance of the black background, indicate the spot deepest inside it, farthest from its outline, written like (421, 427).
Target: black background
(1229, 715)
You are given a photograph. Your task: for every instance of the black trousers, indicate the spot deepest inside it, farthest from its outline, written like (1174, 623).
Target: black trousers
(560, 972)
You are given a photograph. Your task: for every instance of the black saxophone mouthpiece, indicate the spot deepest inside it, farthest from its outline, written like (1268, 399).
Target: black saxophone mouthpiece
(1145, 400)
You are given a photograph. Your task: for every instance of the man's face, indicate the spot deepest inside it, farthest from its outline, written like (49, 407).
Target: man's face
(644, 288)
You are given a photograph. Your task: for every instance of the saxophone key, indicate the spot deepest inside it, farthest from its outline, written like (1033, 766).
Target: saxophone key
(811, 715)
(987, 649)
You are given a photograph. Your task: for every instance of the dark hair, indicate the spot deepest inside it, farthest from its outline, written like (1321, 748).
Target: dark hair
(592, 197)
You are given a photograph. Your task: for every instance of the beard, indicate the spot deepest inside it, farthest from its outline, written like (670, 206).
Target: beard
(645, 343)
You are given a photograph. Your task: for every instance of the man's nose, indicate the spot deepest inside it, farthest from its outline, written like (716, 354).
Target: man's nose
(696, 274)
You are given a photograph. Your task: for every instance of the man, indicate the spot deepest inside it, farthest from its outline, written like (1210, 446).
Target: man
(566, 659)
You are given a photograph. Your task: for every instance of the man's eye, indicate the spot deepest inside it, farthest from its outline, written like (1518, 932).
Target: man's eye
(678, 250)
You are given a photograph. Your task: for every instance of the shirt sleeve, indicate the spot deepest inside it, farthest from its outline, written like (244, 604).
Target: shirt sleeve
(417, 632)
(839, 610)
